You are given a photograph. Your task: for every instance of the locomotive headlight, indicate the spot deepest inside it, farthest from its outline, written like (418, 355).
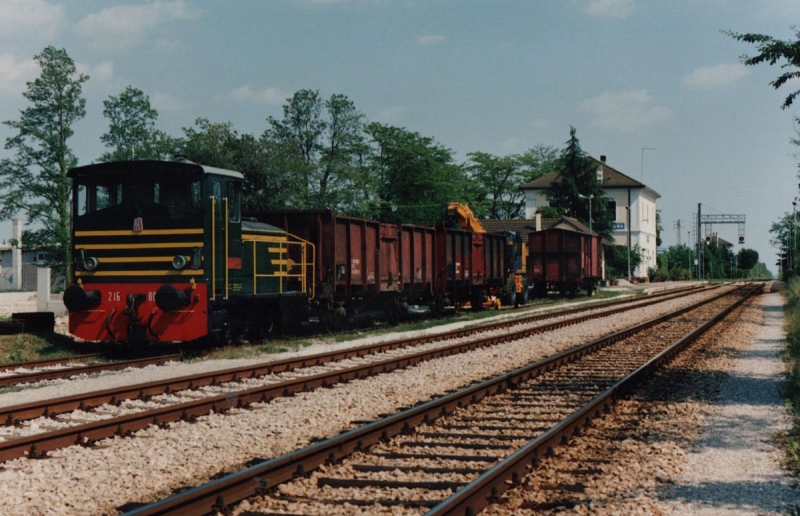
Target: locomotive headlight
(179, 262)
(90, 263)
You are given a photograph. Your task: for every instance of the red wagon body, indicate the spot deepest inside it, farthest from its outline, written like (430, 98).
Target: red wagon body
(564, 261)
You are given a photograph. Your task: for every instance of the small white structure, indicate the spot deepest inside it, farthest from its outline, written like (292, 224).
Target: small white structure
(636, 225)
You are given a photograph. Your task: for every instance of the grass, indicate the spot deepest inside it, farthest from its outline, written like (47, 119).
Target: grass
(25, 346)
(792, 379)
(251, 350)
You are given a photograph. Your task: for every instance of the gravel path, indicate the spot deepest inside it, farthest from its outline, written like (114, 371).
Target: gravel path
(735, 469)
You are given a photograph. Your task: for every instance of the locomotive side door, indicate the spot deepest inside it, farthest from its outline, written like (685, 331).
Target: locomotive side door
(226, 238)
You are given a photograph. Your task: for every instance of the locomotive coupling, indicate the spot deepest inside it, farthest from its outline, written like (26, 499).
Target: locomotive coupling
(169, 299)
(77, 299)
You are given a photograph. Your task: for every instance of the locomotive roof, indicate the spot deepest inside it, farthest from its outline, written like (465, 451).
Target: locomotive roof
(160, 166)
(252, 225)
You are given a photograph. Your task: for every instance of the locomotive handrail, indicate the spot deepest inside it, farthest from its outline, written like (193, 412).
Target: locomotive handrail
(213, 250)
(227, 238)
(306, 264)
(285, 262)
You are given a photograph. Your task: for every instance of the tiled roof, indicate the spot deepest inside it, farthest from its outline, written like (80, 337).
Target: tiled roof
(525, 226)
(612, 178)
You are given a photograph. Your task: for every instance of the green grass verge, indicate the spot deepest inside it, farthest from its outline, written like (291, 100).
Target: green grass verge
(25, 346)
(792, 380)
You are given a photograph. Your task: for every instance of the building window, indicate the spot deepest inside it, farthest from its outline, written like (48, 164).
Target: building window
(612, 209)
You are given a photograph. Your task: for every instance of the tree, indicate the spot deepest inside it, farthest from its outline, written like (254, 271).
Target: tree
(659, 229)
(35, 180)
(499, 178)
(617, 260)
(265, 164)
(772, 51)
(414, 177)
(747, 258)
(577, 175)
(539, 161)
(131, 133)
(329, 148)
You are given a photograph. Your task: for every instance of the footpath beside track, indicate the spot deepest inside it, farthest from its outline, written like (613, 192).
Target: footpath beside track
(577, 383)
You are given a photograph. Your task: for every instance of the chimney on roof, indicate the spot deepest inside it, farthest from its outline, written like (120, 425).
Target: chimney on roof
(603, 158)
(538, 223)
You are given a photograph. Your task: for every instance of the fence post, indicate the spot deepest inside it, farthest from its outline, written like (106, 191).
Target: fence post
(42, 288)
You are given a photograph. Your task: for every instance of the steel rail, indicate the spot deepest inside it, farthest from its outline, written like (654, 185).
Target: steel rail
(38, 376)
(219, 494)
(508, 473)
(37, 445)
(15, 414)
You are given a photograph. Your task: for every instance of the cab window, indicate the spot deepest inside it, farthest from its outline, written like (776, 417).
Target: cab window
(178, 194)
(234, 212)
(92, 197)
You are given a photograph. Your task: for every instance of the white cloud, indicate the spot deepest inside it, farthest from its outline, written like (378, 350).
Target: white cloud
(125, 25)
(513, 144)
(610, 8)
(14, 73)
(30, 19)
(624, 111)
(777, 10)
(272, 96)
(165, 102)
(102, 72)
(430, 39)
(710, 77)
(392, 115)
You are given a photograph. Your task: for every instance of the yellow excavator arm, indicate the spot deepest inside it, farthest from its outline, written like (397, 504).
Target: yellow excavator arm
(465, 218)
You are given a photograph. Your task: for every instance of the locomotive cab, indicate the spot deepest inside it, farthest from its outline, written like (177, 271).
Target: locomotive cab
(158, 254)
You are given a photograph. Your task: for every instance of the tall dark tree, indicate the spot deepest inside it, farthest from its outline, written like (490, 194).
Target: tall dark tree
(415, 177)
(132, 133)
(577, 175)
(329, 145)
(34, 180)
(773, 51)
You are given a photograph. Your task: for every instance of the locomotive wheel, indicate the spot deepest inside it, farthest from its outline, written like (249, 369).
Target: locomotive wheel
(510, 292)
(290, 318)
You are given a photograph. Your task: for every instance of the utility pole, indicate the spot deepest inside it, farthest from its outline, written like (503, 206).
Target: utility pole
(677, 225)
(698, 248)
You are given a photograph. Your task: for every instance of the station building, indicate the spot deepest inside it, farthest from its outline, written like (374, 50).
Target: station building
(632, 204)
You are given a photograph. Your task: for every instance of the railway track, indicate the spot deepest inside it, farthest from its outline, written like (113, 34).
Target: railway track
(52, 432)
(21, 375)
(460, 452)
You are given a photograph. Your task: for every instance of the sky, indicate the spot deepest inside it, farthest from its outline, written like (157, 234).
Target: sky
(654, 86)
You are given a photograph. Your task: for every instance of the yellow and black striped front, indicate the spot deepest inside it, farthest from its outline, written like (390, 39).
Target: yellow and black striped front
(124, 255)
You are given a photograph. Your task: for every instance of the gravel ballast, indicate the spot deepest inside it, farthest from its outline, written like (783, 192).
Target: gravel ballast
(94, 481)
(735, 469)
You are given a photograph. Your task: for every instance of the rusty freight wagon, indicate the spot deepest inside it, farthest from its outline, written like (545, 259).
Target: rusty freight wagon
(365, 269)
(471, 265)
(564, 260)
